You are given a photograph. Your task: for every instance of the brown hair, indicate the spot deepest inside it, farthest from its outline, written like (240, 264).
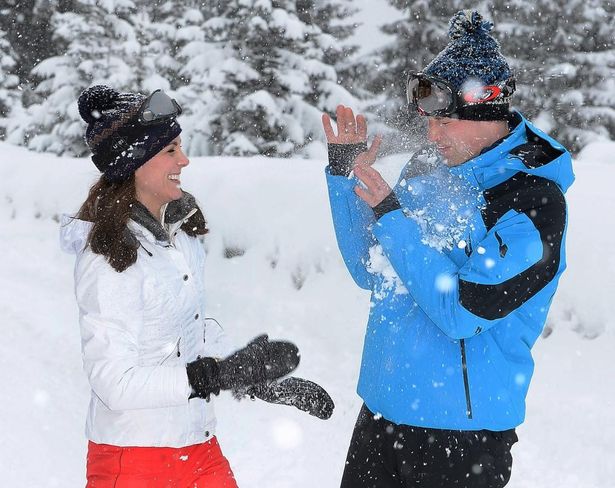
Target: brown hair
(109, 207)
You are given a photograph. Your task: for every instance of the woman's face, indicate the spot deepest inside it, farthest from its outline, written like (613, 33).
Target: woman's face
(158, 181)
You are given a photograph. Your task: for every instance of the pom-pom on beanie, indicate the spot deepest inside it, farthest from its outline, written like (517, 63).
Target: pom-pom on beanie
(471, 57)
(120, 145)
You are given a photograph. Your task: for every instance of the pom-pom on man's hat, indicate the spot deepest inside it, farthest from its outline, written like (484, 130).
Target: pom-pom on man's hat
(119, 142)
(472, 58)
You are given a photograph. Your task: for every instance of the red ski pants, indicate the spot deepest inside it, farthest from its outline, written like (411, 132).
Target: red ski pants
(197, 466)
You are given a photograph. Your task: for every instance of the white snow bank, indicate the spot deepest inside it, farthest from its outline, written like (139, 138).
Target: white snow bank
(287, 279)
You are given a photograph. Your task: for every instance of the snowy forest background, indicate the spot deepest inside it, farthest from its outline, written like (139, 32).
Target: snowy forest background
(253, 76)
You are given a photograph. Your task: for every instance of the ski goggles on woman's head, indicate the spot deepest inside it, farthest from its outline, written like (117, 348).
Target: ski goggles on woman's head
(434, 96)
(158, 108)
(142, 136)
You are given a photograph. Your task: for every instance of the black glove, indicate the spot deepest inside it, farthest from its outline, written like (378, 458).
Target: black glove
(296, 392)
(260, 361)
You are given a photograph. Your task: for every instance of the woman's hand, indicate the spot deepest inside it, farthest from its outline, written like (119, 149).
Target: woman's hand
(296, 392)
(260, 361)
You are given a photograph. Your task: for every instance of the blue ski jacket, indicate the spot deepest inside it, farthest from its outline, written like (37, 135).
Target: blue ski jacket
(462, 277)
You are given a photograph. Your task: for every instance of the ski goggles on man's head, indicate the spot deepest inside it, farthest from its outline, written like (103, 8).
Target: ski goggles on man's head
(436, 97)
(158, 108)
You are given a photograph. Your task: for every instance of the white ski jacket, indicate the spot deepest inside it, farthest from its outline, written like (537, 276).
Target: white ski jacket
(139, 328)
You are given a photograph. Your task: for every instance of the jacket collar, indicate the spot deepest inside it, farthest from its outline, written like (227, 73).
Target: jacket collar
(504, 159)
(174, 214)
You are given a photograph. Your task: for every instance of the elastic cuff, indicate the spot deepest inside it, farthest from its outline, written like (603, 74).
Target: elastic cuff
(342, 157)
(387, 205)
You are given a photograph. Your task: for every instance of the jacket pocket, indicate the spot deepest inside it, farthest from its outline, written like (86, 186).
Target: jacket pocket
(161, 355)
(173, 354)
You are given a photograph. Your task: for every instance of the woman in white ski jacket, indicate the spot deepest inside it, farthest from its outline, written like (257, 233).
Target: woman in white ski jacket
(148, 355)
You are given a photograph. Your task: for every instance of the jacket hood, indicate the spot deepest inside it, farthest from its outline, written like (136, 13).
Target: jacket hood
(526, 149)
(73, 234)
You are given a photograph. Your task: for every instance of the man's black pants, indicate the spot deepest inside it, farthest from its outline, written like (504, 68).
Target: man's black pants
(387, 455)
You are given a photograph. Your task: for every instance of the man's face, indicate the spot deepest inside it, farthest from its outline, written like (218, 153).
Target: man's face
(459, 140)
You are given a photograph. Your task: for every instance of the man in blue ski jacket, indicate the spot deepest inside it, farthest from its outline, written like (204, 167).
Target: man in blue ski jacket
(462, 257)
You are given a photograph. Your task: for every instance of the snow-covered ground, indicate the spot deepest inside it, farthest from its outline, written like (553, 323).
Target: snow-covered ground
(290, 282)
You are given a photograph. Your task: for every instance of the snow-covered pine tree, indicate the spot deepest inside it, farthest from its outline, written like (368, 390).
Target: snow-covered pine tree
(28, 30)
(155, 23)
(533, 41)
(9, 82)
(333, 18)
(563, 55)
(25, 35)
(98, 45)
(268, 74)
(582, 83)
(202, 70)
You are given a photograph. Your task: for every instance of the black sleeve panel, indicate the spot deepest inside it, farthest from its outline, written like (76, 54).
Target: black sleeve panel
(543, 203)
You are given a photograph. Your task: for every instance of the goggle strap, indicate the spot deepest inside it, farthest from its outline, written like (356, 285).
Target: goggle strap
(484, 111)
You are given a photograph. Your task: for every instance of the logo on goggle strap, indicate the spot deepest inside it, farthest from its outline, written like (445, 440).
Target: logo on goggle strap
(481, 94)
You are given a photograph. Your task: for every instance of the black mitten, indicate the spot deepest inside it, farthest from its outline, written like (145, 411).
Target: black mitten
(260, 361)
(296, 392)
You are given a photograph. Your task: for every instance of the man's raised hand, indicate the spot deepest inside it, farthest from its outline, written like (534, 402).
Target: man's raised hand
(349, 146)
(367, 158)
(350, 129)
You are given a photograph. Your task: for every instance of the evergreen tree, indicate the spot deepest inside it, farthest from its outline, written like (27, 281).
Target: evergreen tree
(332, 17)
(579, 74)
(563, 57)
(155, 23)
(99, 46)
(25, 36)
(534, 42)
(525, 32)
(594, 84)
(263, 74)
(9, 82)
(29, 32)
(202, 69)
